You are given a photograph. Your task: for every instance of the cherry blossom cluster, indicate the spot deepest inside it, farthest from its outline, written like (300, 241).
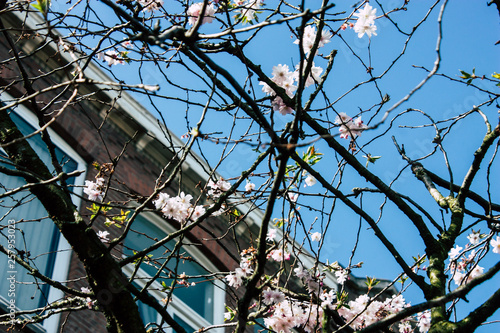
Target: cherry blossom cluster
(113, 57)
(313, 283)
(341, 274)
(365, 24)
(348, 126)
(286, 79)
(424, 322)
(194, 12)
(279, 254)
(88, 301)
(235, 279)
(94, 190)
(288, 314)
(364, 311)
(217, 188)
(270, 296)
(249, 9)
(309, 37)
(284, 313)
(179, 207)
(465, 268)
(183, 280)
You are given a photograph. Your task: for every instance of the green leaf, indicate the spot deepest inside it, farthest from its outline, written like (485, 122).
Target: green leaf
(42, 6)
(371, 282)
(95, 208)
(278, 223)
(371, 159)
(465, 75)
(311, 156)
(165, 286)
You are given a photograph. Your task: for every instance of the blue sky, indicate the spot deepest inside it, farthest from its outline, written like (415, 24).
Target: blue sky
(470, 30)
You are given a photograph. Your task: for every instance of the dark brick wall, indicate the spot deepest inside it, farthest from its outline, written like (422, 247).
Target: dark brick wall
(95, 138)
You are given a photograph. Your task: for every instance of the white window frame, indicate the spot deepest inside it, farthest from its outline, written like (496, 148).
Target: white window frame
(177, 306)
(64, 251)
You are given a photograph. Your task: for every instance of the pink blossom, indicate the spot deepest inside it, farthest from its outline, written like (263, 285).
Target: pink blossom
(216, 189)
(405, 327)
(271, 234)
(249, 187)
(161, 201)
(103, 236)
(197, 212)
(349, 127)
(424, 321)
(270, 296)
(279, 255)
(111, 57)
(281, 107)
(90, 303)
(94, 189)
(314, 75)
(127, 44)
(300, 272)
(328, 299)
(281, 73)
(293, 196)
(458, 277)
(234, 280)
(194, 11)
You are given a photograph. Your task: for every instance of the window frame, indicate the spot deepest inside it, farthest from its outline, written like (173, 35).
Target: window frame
(177, 306)
(64, 252)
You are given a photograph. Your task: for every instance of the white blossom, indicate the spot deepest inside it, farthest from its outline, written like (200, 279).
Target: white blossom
(316, 237)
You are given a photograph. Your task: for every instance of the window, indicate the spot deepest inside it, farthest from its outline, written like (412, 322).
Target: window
(194, 306)
(46, 249)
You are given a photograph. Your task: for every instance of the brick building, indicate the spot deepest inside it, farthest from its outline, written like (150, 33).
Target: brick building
(98, 126)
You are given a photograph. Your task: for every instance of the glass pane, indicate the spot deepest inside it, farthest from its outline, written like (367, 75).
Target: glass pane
(40, 236)
(183, 324)
(199, 297)
(147, 313)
